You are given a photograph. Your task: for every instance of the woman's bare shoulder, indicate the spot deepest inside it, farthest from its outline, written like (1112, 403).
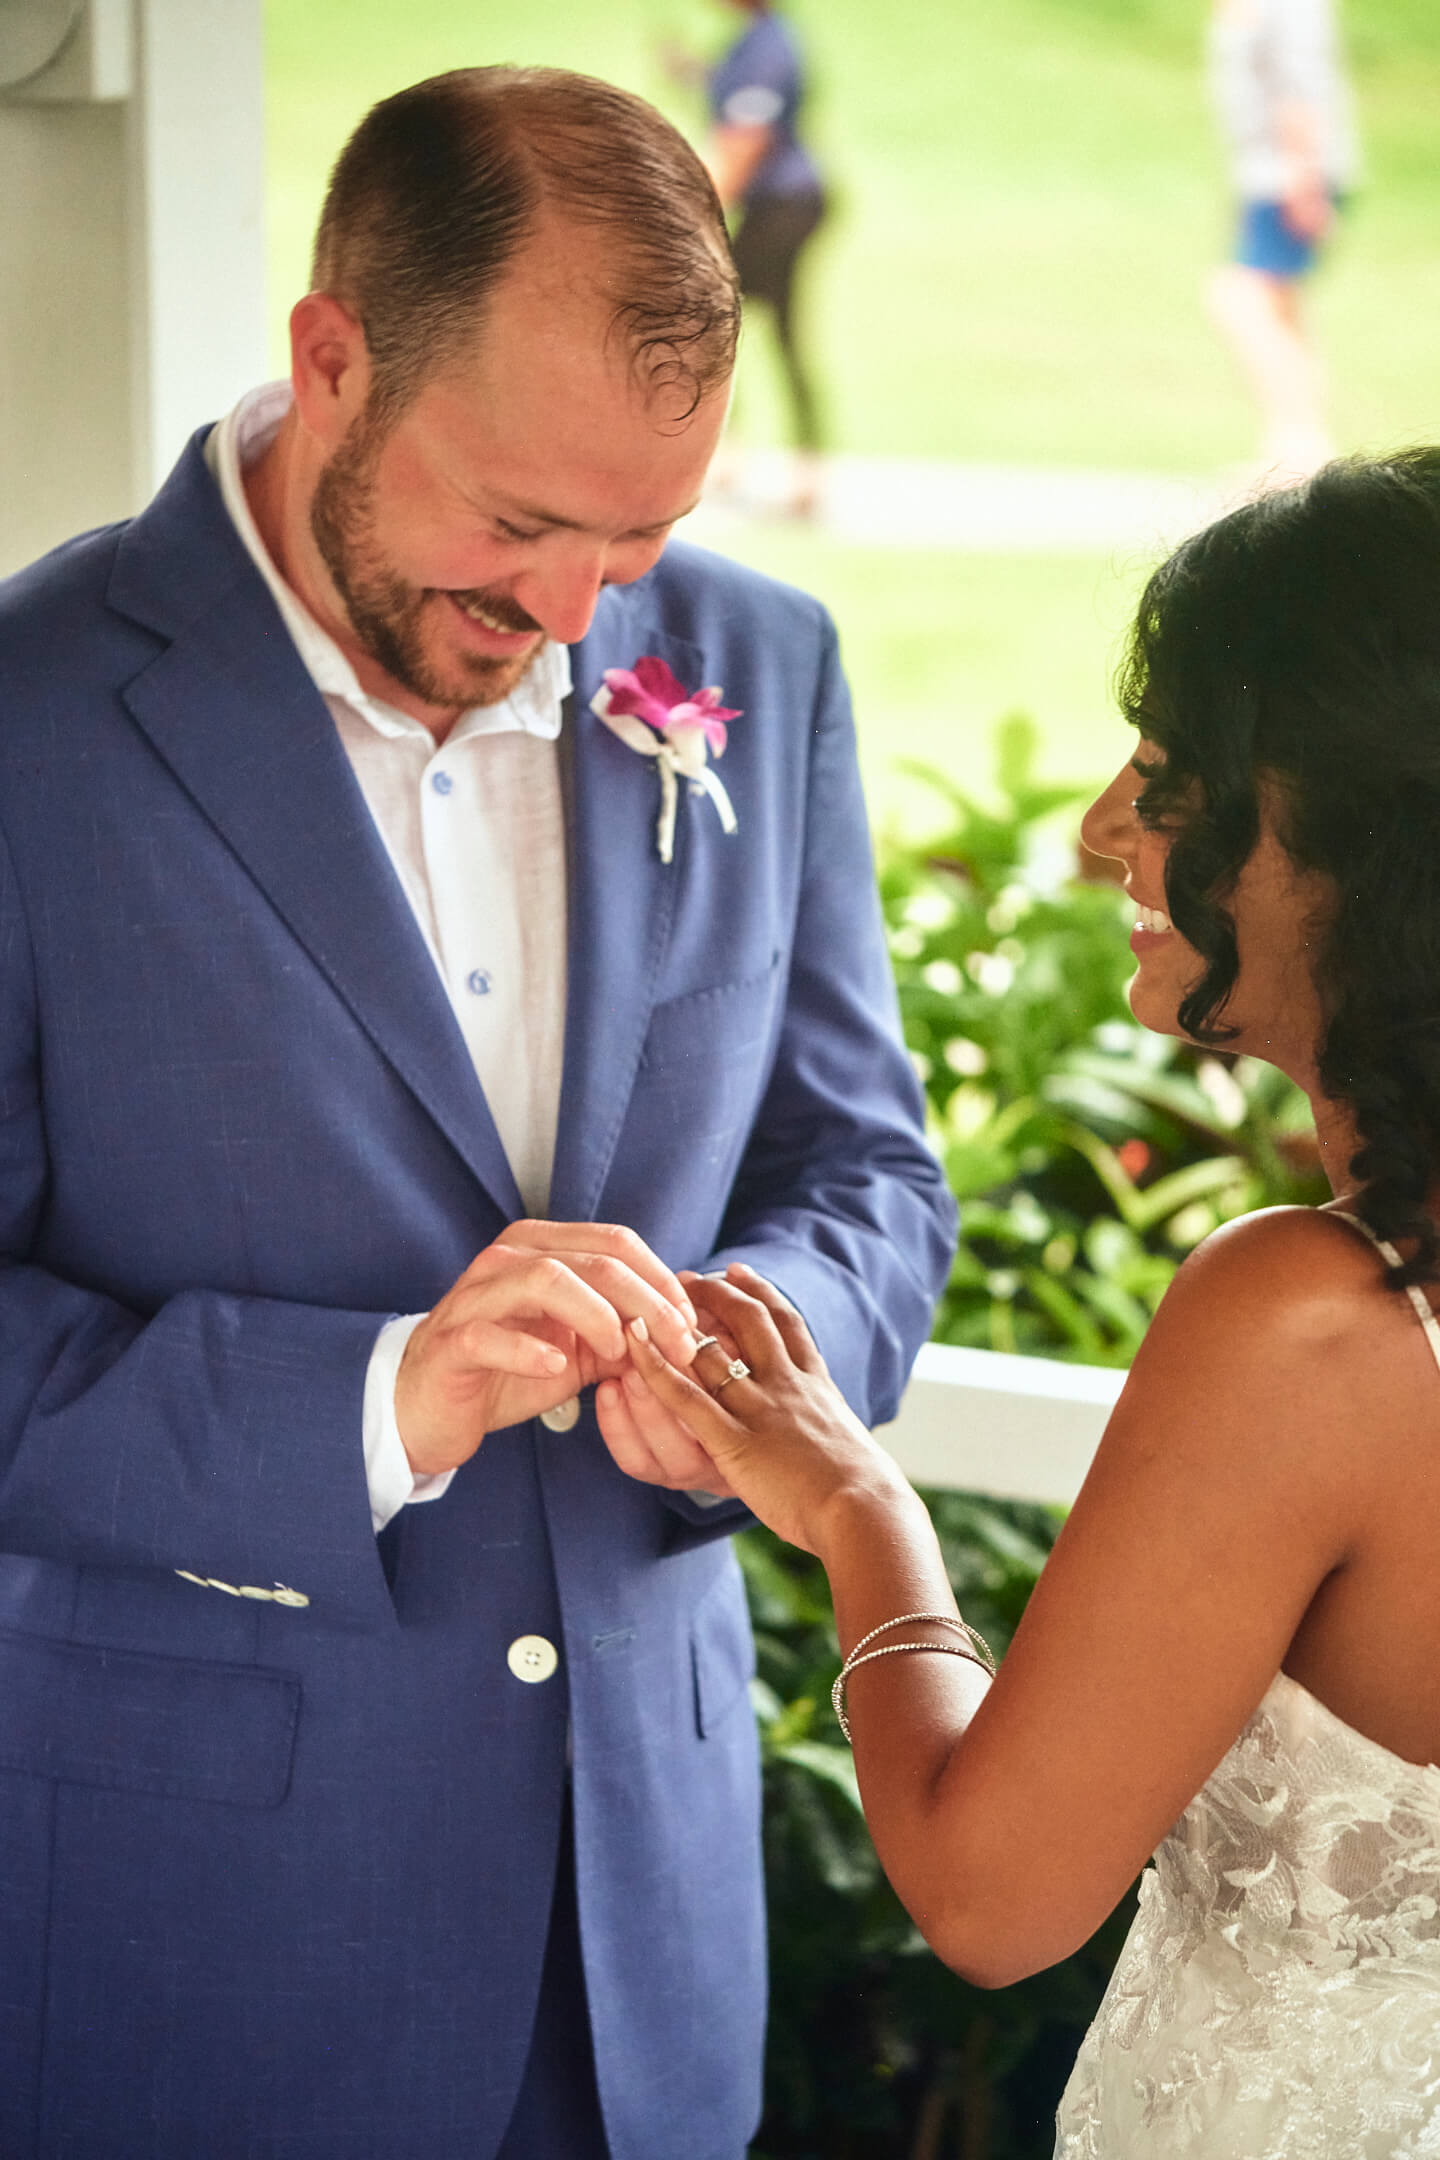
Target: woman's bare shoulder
(1287, 1270)
(1282, 1322)
(1285, 1313)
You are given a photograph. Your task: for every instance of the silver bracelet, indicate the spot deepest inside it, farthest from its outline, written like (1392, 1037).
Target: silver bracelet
(975, 1649)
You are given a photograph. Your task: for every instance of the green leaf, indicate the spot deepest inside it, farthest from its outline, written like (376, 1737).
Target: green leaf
(834, 1766)
(1076, 1327)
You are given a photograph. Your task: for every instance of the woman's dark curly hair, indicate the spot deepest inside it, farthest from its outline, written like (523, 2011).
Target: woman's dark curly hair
(1297, 642)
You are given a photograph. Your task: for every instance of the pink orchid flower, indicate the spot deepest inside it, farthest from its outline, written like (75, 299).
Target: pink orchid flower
(650, 692)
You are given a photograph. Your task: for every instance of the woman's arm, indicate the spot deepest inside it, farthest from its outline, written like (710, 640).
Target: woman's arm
(1011, 1817)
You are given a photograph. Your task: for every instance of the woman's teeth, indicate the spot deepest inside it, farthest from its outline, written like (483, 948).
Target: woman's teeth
(1150, 918)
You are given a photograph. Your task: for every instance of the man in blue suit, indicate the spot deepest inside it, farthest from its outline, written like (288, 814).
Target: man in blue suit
(388, 1007)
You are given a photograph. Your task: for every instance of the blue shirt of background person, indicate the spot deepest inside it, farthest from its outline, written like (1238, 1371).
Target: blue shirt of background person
(758, 83)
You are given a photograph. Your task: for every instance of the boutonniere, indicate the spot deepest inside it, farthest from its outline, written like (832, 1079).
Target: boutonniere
(647, 708)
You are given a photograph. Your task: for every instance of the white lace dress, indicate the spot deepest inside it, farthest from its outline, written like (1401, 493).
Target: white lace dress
(1278, 1997)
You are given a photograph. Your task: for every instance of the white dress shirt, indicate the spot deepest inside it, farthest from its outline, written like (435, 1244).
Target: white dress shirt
(475, 830)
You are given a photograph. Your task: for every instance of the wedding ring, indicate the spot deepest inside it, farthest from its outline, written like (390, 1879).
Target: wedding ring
(703, 1342)
(737, 1369)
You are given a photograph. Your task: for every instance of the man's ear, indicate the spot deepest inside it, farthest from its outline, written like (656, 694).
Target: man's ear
(329, 367)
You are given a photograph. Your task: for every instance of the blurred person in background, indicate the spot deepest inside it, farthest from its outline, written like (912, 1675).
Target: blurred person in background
(1284, 108)
(771, 189)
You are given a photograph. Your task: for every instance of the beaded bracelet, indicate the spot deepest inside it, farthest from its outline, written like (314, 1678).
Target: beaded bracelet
(976, 1650)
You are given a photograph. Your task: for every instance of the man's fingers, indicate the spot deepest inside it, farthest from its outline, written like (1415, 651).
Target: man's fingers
(609, 1241)
(531, 1287)
(516, 1272)
(510, 1350)
(634, 1299)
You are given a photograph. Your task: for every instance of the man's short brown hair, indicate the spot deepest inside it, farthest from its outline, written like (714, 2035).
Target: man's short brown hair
(441, 185)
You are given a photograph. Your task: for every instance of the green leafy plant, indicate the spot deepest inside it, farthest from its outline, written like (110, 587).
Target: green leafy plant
(1087, 1157)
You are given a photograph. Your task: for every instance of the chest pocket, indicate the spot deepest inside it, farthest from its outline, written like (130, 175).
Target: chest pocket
(706, 1060)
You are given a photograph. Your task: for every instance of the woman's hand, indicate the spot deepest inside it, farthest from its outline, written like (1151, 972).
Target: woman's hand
(784, 1440)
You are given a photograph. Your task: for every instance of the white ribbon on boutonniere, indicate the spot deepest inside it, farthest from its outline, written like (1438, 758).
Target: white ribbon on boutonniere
(650, 712)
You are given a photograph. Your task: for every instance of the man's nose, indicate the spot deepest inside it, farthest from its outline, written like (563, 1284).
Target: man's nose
(561, 593)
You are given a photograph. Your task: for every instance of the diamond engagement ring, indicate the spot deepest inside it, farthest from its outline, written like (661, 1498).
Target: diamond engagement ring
(737, 1369)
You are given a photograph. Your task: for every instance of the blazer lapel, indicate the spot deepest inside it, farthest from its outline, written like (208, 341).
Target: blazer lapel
(231, 710)
(622, 901)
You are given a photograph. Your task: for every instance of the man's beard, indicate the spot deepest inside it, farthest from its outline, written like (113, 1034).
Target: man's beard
(386, 614)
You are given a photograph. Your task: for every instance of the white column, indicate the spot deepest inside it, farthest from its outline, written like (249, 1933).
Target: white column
(197, 231)
(131, 248)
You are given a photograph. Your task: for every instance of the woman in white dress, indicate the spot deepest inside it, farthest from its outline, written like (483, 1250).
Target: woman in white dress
(1233, 1654)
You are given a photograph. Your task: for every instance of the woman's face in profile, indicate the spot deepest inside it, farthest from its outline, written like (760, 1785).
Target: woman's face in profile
(1280, 914)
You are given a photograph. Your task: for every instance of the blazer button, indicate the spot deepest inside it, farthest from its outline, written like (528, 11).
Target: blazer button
(531, 1658)
(563, 1417)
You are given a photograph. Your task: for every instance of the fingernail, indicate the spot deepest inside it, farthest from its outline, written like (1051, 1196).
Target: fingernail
(555, 1361)
(639, 1330)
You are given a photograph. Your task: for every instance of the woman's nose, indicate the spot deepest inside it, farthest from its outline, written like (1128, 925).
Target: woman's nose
(1110, 822)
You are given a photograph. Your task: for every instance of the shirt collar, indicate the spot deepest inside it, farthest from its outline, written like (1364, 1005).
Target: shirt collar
(533, 706)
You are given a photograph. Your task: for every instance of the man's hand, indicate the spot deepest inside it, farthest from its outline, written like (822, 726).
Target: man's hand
(538, 1315)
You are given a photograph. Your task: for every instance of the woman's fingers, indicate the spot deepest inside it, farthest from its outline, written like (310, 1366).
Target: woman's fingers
(671, 1441)
(724, 1305)
(622, 1436)
(648, 1442)
(679, 1394)
(798, 1341)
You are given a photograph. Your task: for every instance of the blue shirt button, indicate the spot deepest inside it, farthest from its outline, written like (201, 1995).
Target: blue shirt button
(441, 782)
(478, 980)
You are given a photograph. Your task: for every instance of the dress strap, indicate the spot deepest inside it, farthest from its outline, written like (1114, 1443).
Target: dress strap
(1388, 1253)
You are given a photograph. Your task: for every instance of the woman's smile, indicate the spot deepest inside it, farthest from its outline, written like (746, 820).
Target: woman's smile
(1151, 925)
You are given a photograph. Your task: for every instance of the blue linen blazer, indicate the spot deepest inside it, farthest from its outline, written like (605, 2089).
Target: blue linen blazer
(276, 1875)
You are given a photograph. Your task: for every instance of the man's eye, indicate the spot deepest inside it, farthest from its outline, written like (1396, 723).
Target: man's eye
(507, 531)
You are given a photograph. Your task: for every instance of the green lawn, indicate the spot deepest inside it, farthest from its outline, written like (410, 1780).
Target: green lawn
(939, 645)
(1029, 197)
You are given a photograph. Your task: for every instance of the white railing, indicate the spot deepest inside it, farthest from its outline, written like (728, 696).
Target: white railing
(1020, 1428)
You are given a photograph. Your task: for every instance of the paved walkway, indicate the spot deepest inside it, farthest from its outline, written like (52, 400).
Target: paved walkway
(990, 509)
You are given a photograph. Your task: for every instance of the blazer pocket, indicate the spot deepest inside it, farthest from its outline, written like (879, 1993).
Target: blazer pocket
(706, 1060)
(722, 1650)
(735, 1014)
(189, 1729)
